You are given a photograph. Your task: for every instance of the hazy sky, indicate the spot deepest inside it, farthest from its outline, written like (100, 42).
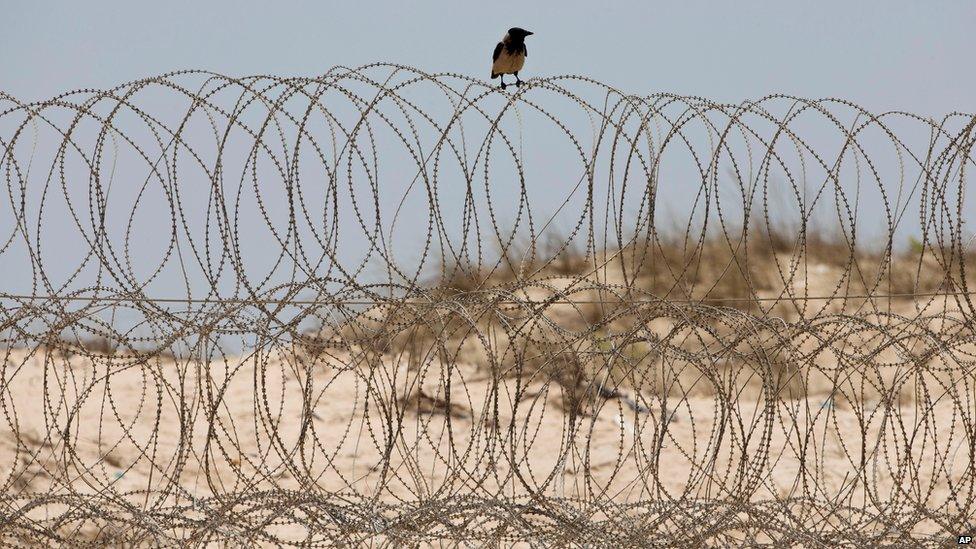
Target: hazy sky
(915, 56)
(910, 56)
(892, 55)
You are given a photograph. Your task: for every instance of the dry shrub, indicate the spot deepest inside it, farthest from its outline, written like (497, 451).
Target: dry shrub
(762, 365)
(420, 403)
(716, 270)
(459, 279)
(562, 257)
(87, 346)
(903, 275)
(371, 330)
(592, 335)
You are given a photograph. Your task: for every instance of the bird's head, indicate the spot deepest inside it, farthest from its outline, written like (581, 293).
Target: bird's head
(518, 33)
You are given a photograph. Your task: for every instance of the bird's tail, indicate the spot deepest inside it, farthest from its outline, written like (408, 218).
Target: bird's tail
(494, 75)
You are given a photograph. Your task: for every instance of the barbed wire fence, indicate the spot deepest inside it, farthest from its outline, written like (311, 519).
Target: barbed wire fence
(390, 307)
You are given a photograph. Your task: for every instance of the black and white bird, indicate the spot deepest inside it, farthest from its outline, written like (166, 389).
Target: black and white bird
(510, 55)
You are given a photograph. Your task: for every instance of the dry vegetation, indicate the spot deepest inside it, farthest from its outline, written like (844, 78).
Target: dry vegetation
(631, 320)
(630, 361)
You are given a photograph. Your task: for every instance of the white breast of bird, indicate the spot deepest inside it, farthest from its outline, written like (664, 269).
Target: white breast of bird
(508, 63)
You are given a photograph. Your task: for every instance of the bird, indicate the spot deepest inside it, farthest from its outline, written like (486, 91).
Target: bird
(509, 55)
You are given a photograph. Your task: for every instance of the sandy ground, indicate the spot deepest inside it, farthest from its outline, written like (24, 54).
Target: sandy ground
(842, 417)
(161, 434)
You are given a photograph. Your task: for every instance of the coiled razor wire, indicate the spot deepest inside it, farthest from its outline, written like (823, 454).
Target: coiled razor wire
(387, 307)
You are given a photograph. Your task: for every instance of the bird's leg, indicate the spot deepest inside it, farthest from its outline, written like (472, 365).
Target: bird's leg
(517, 81)
(502, 76)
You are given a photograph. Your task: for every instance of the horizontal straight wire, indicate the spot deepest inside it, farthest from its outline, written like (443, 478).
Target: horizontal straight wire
(239, 301)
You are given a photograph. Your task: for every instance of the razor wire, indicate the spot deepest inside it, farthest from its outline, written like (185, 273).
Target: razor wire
(381, 306)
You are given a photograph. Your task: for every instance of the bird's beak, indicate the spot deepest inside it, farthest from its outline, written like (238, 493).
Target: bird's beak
(529, 33)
